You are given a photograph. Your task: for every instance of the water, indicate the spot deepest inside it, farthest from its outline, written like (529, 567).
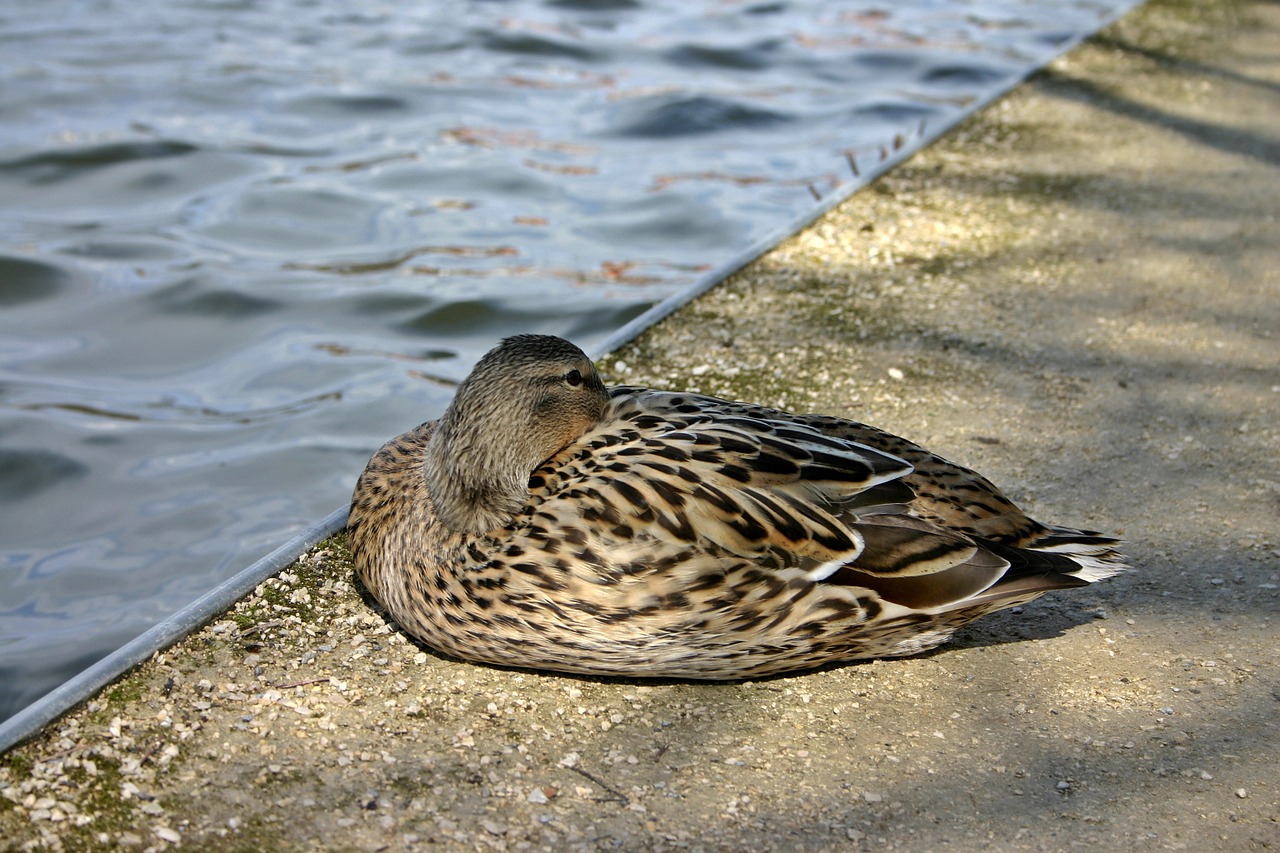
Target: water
(242, 243)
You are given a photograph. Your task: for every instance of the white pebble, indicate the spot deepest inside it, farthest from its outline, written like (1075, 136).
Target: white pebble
(166, 834)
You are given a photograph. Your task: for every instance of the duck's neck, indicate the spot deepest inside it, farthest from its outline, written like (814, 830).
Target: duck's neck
(476, 478)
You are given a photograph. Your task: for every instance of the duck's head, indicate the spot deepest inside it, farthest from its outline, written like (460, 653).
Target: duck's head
(527, 399)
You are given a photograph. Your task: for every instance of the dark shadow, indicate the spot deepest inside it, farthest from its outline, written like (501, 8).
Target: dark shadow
(1180, 64)
(1227, 139)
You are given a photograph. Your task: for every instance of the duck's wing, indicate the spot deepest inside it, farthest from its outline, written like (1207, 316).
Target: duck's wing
(962, 500)
(937, 489)
(809, 494)
(700, 472)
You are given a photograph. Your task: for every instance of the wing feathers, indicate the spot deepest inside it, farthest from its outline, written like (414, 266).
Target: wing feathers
(935, 591)
(810, 494)
(899, 546)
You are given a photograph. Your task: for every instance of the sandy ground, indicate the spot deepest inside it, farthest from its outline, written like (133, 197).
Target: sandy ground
(1078, 294)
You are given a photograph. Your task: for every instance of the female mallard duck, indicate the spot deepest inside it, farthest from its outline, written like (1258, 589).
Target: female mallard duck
(548, 522)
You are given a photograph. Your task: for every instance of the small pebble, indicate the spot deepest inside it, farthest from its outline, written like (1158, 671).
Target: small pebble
(166, 834)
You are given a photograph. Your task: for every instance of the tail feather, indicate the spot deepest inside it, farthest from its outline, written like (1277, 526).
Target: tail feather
(1094, 555)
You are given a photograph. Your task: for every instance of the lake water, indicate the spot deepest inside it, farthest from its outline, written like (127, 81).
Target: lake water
(243, 243)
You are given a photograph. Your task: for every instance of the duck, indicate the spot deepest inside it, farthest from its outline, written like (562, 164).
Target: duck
(548, 522)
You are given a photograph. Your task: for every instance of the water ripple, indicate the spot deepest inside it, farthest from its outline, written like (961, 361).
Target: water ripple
(25, 473)
(756, 56)
(50, 167)
(675, 116)
(30, 280)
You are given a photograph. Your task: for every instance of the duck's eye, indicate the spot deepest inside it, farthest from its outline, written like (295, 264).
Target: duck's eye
(573, 377)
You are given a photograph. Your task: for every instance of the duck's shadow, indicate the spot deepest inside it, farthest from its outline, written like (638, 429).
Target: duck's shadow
(1039, 620)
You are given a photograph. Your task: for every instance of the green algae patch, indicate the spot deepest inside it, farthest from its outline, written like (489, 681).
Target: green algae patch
(125, 692)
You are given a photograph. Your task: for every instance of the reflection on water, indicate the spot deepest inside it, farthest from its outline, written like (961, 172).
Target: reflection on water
(241, 243)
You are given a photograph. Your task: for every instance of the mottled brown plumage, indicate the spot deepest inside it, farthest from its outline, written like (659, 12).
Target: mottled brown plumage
(547, 522)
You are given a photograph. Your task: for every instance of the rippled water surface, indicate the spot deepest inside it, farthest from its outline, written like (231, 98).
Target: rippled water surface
(242, 243)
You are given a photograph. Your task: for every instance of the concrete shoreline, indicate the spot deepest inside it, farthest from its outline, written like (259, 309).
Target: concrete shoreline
(1076, 293)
